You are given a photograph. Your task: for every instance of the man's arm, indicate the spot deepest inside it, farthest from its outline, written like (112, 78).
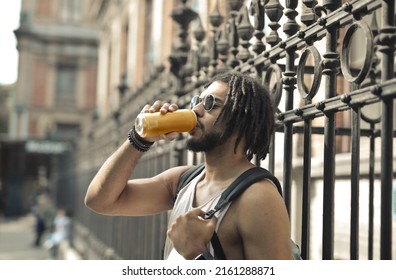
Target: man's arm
(110, 191)
(263, 223)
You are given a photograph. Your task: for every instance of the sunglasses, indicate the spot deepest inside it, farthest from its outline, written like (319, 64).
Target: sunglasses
(208, 102)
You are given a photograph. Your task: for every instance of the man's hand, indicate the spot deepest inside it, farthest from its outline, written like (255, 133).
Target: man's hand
(190, 233)
(163, 108)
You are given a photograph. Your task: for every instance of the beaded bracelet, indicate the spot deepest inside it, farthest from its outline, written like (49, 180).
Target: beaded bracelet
(138, 142)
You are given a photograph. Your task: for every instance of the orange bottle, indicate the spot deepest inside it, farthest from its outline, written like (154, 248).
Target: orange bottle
(155, 124)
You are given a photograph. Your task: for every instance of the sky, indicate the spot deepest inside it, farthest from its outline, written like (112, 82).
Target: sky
(9, 21)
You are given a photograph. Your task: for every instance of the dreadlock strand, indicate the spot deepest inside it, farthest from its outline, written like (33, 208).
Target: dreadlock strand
(255, 123)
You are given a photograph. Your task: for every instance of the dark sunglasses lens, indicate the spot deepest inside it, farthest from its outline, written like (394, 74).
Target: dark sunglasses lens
(209, 102)
(194, 101)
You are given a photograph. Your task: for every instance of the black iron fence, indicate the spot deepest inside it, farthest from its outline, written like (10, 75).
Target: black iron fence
(330, 70)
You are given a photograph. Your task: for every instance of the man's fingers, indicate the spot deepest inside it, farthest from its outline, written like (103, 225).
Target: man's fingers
(197, 212)
(146, 108)
(159, 106)
(173, 107)
(164, 108)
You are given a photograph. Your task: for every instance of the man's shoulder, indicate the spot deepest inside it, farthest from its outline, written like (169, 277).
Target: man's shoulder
(260, 204)
(260, 194)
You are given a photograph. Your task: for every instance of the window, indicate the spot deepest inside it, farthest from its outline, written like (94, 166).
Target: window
(67, 131)
(66, 84)
(70, 10)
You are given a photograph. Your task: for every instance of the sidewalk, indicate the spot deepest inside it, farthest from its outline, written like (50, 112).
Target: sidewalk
(16, 240)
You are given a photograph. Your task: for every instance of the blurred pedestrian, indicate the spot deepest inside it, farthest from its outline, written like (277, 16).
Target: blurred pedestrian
(61, 232)
(44, 213)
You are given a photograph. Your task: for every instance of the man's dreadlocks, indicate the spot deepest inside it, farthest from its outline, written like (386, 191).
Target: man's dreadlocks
(248, 110)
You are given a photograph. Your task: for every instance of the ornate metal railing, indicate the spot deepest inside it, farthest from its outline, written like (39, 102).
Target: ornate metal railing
(318, 48)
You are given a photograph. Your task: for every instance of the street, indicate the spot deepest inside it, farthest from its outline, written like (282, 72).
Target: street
(16, 240)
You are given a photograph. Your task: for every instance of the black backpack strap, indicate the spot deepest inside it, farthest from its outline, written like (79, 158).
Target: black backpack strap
(187, 176)
(245, 180)
(217, 248)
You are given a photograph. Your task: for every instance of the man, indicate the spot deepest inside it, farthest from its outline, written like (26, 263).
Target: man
(235, 122)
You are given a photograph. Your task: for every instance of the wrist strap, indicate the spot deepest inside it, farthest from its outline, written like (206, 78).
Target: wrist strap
(138, 142)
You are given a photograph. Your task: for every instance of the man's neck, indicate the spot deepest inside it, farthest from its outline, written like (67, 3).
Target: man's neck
(223, 164)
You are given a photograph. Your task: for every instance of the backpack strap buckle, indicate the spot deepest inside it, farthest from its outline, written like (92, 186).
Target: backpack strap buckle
(210, 214)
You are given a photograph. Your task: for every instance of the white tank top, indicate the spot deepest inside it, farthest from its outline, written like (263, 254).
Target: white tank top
(184, 203)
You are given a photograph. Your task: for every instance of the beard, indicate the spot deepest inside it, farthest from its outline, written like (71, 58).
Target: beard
(206, 143)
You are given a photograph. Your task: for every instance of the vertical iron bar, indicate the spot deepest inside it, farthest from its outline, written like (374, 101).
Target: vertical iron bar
(306, 203)
(387, 48)
(287, 159)
(290, 28)
(328, 184)
(331, 63)
(355, 170)
(371, 194)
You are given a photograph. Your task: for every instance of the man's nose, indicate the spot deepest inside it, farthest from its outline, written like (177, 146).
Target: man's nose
(199, 109)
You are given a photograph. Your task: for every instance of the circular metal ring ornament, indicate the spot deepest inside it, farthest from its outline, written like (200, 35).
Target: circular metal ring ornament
(346, 44)
(317, 75)
(367, 118)
(276, 90)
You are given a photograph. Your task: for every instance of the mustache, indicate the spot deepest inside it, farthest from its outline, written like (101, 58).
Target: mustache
(199, 123)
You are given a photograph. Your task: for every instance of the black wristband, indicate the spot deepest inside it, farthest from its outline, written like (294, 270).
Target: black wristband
(138, 142)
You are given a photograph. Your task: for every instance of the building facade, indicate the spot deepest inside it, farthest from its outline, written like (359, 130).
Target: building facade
(57, 70)
(54, 97)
